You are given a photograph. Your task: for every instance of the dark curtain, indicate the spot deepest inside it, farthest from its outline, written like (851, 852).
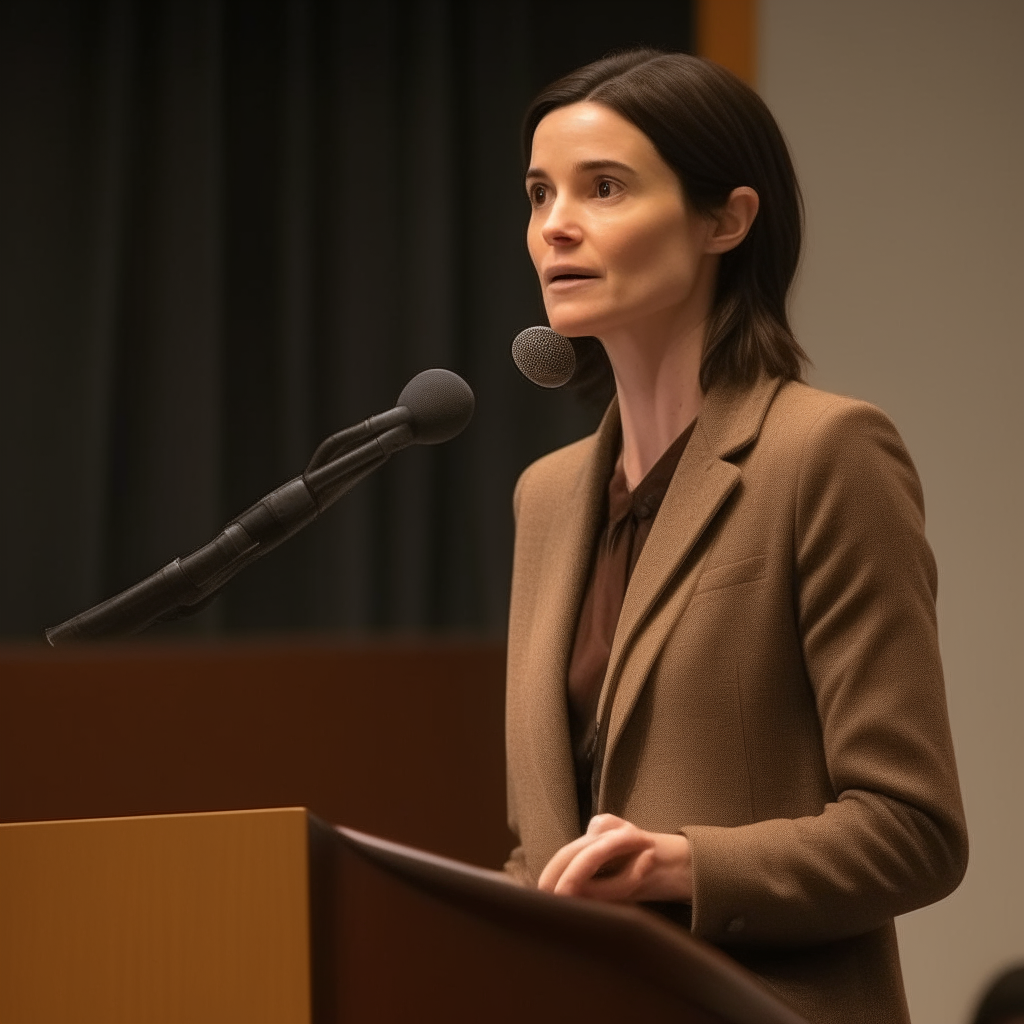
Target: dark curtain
(229, 228)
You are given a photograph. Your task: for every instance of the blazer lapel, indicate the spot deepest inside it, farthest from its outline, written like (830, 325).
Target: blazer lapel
(729, 421)
(567, 556)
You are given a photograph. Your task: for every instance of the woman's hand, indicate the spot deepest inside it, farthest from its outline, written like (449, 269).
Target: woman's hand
(618, 862)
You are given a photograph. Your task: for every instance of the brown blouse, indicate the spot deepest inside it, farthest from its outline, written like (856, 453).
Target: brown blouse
(628, 520)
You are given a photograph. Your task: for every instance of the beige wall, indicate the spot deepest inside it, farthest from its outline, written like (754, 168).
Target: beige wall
(906, 120)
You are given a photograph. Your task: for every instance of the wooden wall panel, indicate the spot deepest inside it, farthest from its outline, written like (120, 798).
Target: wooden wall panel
(400, 740)
(726, 32)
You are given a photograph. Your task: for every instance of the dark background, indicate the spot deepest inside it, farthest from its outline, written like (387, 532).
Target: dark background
(228, 229)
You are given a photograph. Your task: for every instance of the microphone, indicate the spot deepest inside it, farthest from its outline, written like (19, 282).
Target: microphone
(433, 407)
(544, 357)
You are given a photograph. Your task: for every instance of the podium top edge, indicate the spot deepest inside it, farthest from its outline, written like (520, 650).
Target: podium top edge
(178, 816)
(668, 954)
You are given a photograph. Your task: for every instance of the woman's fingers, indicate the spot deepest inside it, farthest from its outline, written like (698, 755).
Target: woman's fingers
(608, 864)
(604, 823)
(617, 861)
(599, 825)
(558, 863)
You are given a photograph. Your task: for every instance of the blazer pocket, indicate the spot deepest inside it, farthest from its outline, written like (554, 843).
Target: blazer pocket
(732, 574)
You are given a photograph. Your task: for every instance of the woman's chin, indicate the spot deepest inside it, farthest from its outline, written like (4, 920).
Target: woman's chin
(580, 319)
(573, 326)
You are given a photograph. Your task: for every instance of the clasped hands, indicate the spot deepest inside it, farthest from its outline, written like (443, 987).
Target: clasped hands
(619, 863)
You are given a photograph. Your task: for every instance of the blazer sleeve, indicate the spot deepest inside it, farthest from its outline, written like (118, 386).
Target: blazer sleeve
(894, 837)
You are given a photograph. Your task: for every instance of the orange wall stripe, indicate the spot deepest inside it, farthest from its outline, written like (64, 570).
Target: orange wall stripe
(727, 34)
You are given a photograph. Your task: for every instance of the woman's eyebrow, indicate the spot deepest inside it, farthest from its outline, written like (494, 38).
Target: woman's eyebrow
(583, 167)
(600, 165)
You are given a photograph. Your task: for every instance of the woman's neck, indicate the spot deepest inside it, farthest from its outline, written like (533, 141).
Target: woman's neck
(657, 379)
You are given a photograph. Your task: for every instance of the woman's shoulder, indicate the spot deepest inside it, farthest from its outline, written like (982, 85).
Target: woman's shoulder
(554, 475)
(801, 408)
(822, 440)
(807, 421)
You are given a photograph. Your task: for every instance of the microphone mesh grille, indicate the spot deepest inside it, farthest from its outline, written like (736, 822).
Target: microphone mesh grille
(441, 403)
(544, 356)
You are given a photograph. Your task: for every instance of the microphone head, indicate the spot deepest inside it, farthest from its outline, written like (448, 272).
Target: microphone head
(441, 404)
(544, 356)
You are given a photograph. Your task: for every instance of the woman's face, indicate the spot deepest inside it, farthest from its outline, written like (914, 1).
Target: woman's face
(611, 236)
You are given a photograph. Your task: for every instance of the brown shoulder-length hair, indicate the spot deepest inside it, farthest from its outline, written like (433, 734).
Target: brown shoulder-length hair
(717, 134)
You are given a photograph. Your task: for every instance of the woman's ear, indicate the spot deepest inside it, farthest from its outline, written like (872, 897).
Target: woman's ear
(732, 221)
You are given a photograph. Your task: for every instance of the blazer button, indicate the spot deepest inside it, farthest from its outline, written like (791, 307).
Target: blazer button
(737, 924)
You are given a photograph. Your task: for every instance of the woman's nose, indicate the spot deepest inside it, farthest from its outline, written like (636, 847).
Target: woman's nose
(562, 226)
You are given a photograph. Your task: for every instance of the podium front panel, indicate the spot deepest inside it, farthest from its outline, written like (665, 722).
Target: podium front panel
(179, 918)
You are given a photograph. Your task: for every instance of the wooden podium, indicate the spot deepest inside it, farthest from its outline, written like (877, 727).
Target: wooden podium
(261, 916)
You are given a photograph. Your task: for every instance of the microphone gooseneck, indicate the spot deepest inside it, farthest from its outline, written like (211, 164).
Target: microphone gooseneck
(433, 407)
(544, 357)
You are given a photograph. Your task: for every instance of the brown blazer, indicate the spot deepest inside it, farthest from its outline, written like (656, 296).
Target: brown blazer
(774, 690)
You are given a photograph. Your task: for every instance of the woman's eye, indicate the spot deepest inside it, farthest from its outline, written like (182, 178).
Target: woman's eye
(538, 194)
(605, 190)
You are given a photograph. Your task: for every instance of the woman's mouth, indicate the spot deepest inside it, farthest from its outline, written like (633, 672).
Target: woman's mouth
(569, 280)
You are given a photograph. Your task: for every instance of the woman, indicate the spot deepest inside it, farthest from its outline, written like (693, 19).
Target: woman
(723, 662)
